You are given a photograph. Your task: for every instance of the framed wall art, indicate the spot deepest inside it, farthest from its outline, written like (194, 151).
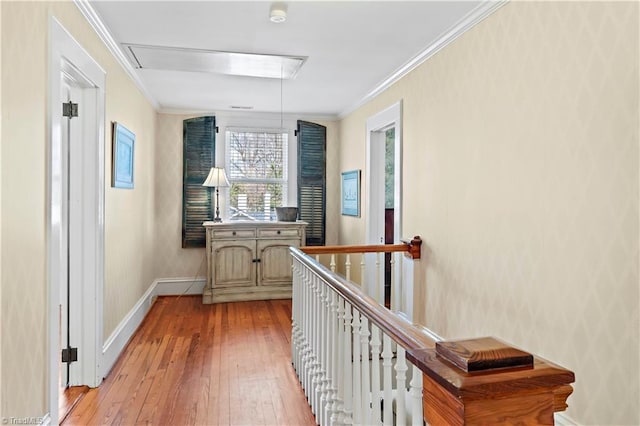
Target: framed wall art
(351, 193)
(122, 157)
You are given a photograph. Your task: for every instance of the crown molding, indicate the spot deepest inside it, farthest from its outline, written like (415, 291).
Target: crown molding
(474, 17)
(252, 114)
(98, 26)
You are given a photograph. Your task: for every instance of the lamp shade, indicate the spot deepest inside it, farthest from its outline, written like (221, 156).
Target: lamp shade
(217, 177)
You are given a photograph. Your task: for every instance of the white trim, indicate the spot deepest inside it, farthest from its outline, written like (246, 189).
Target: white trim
(179, 286)
(562, 419)
(474, 17)
(46, 420)
(67, 55)
(116, 342)
(250, 114)
(98, 26)
(374, 183)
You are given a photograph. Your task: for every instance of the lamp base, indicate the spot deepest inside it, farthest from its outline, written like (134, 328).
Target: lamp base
(217, 219)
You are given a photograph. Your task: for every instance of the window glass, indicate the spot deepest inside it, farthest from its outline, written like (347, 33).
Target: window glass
(257, 172)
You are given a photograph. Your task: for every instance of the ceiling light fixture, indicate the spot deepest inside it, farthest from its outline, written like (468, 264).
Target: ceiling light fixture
(278, 13)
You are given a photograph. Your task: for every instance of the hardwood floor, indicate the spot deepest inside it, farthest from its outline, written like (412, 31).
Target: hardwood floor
(195, 364)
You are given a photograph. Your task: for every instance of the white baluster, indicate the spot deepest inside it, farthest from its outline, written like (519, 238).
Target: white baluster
(347, 366)
(387, 364)
(305, 347)
(365, 394)
(379, 282)
(319, 328)
(415, 394)
(347, 265)
(363, 285)
(329, 325)
(295, 303)
(401, 386)
(319, 379)
(326, 357)
(393, 305)
(357, 383)
(313, 339)
(375, 374)
(332, 263)
(335, 358)
(318, 258)
(337, 416)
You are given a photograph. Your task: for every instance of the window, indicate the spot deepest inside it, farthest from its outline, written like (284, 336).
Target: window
(312, 154)
(199, 139)
(257, 172)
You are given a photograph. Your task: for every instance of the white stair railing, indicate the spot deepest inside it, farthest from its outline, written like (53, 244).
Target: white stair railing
(349, 351)
(361, 364)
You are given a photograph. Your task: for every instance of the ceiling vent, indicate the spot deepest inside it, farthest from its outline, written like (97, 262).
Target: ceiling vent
(214, 61)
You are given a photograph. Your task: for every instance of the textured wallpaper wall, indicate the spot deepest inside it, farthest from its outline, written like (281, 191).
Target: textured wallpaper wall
(171, 260)
(129, 219)
(1, 411)
(521, 172)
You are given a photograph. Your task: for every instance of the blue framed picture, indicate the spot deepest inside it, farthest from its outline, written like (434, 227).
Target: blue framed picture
(351, 193)
(123, 149)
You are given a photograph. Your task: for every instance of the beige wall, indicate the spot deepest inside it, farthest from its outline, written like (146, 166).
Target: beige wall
(128, 217)
(171, 259)
(1, 317)
(521, 173)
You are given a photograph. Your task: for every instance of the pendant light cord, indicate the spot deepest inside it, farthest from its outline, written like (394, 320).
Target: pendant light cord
(281, 112)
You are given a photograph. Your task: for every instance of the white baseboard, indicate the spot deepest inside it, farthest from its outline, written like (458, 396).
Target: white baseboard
(116, 342)
(45, 420)
(179, 286)
(562, 419)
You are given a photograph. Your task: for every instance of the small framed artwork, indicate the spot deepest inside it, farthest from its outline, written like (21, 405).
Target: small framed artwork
(351, 193)
(122, 155)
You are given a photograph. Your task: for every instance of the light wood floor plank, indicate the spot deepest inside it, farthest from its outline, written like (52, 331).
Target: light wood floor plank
(195, 364)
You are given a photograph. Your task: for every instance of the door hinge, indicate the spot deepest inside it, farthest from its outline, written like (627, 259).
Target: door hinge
(69, 109)
(69, 355)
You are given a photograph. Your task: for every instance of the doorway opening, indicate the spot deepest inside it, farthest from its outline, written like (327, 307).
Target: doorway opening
(384, 198)
(389, 208)
(75, 216)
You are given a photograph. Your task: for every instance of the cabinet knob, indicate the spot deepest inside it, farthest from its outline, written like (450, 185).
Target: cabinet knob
(279, 232)
(233, 233)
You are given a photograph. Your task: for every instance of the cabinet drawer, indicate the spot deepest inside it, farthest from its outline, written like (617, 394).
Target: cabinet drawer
(218, 234)
(278, 233)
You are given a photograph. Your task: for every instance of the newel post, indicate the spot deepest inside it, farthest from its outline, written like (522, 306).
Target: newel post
(485, 381)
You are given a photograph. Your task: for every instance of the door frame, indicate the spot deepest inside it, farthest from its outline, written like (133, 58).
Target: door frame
(375, 155)
(66, 55)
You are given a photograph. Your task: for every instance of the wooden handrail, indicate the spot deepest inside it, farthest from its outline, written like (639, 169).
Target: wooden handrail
(410, 247)
(399, 330)
(468, 382)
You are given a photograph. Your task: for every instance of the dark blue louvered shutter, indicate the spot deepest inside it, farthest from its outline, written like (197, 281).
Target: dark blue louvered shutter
(199, 141)
(312, 153)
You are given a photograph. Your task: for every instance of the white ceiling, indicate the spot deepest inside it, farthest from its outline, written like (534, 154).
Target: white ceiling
(352, 48)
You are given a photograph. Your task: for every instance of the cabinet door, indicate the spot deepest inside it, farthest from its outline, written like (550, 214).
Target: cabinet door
(233, 264)
(275, 262)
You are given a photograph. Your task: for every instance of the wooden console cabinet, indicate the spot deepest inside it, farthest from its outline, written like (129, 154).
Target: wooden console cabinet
(250, 260)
